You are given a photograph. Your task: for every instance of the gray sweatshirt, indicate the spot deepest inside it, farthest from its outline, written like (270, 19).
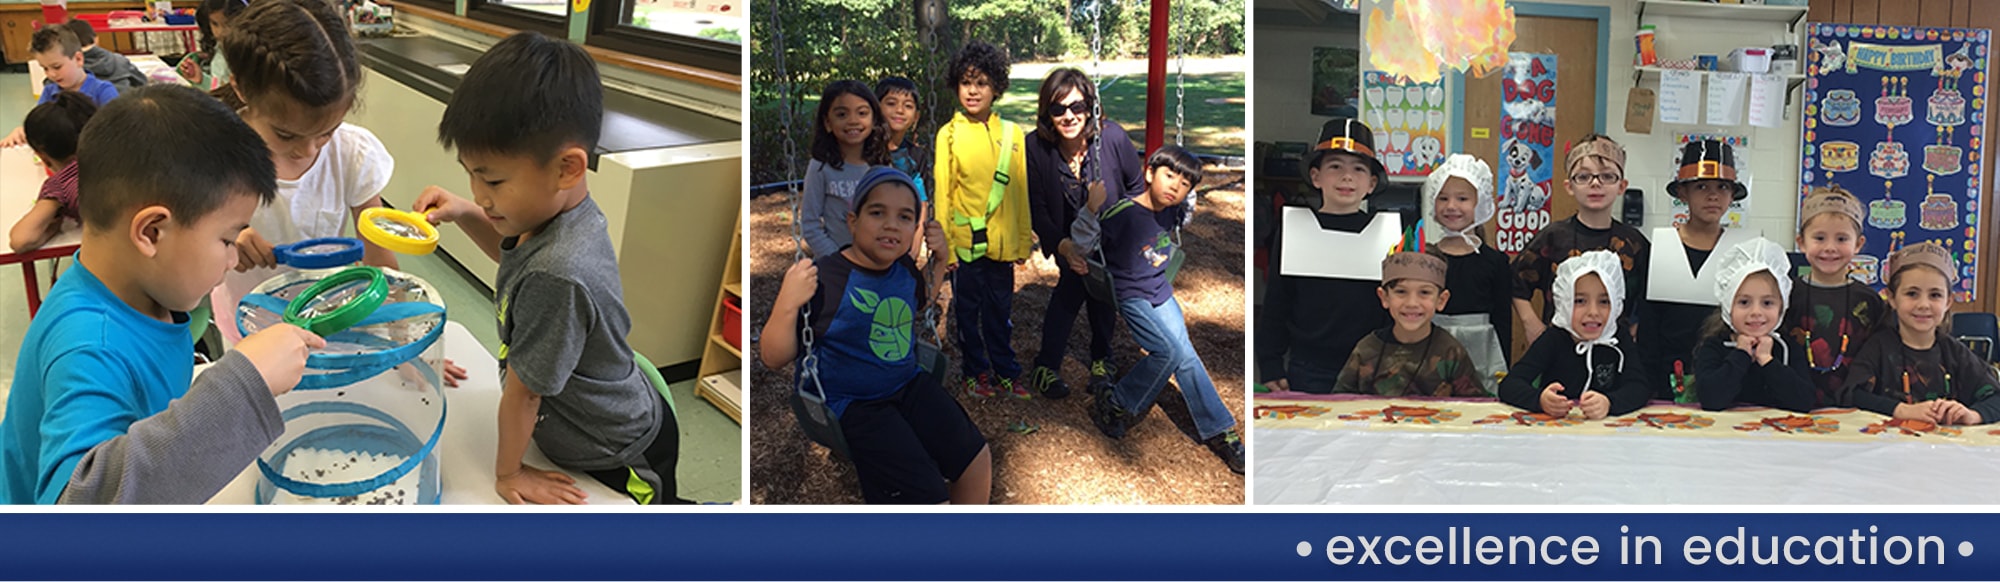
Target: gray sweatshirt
(191, 450)
(829, 196)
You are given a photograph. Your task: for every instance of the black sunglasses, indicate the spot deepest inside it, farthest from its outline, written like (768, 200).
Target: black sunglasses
(1081, 107)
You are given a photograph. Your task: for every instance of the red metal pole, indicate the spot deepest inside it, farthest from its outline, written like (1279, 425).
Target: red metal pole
(1156, 78)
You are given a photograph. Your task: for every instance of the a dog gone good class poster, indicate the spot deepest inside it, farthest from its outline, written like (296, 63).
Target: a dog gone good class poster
(1527, 148)
(1895, 115)
(1409, 120)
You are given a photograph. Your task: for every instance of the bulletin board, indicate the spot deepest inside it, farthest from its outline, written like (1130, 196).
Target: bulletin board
(1894, 114)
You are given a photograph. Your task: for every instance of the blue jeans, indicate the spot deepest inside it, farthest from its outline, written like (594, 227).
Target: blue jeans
(982, 296)
(1163, 332)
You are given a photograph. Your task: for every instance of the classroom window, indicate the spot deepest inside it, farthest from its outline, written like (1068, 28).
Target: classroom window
(717, 20)
(549, 17)
(701, 33)
(557, 8)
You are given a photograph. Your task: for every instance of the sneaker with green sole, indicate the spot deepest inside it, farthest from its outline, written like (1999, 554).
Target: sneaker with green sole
(1228, 446)
(1048, 383)
(1100, 374)
(1110, 418)
(1018, 391)
(980, 386)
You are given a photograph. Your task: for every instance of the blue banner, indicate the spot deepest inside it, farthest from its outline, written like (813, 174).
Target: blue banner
(1123, 546)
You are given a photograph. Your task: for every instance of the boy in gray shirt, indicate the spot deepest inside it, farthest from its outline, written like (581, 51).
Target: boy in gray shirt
(524, 120)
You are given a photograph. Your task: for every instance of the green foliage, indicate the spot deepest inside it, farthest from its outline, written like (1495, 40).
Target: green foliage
(865, 40)
(722, 33)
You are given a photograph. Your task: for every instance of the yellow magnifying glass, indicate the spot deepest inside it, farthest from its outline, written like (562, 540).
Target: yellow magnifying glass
(399, 231)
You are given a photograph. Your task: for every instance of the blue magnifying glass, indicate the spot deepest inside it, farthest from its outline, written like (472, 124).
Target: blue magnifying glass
(319, 253)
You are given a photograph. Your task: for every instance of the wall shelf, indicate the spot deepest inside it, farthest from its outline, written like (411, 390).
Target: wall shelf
(1790, 15)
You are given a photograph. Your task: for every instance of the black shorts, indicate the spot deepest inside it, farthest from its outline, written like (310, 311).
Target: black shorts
(652, 481)
(907, 446)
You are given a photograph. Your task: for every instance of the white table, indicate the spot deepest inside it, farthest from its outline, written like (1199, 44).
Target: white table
(1338, 457)
(1358, 467)
(157, 69)
(20, 183)
(471, 436)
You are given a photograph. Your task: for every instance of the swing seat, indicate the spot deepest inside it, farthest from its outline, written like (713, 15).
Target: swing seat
(931, 358)
(817, 419)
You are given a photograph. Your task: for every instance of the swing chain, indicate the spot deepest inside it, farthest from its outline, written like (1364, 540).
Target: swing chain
(809, 365)
(1180, 80)
(933, 318)
(1096, 153)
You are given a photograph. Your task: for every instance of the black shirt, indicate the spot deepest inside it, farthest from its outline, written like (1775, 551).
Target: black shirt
(1670, 331)
(1482, 282)
(1316, 319)
(1726, 375)
(1055, 194)
(1553, 358)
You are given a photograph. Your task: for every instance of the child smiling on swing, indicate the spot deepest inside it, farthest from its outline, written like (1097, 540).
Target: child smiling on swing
(910, 441)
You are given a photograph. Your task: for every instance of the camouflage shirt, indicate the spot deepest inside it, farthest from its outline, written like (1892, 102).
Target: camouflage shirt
(1435, 366)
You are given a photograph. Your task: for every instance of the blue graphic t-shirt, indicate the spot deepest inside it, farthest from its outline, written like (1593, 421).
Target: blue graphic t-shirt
(1139, 248)
(863, 325)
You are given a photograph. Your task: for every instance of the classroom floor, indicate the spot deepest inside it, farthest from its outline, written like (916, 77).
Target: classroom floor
(711, 464)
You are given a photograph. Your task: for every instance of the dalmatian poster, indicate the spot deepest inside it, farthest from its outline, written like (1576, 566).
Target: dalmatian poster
(1409, 120)
(1527, 148)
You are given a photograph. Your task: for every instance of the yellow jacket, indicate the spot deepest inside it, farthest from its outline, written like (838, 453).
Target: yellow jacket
(968, 154)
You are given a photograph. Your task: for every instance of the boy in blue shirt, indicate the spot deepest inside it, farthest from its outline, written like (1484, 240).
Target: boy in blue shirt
(524, 121)
(61, 56)
(909, 440)
(102, 410)
(1139, 250)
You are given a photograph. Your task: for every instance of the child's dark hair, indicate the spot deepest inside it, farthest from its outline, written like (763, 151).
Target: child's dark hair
(172, 146)
(85, 35)
(55, 36)
(826, 148)
(1177, 159)
(1896, 277)
(529, 95)
(1057, 86)
(227, 9)
(984, 58)
(53, 128)
(297, 48)
(888, 84)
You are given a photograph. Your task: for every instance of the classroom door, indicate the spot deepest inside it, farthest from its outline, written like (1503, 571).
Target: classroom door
(1574, 42)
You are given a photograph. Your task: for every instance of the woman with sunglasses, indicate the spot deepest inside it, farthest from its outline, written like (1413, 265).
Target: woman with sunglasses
(1076, 161)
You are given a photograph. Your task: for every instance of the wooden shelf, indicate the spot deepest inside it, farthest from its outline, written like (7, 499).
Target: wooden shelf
(723, 391)
(718, 358)
(1792, 81)
(718, 340)
(1790, 15)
